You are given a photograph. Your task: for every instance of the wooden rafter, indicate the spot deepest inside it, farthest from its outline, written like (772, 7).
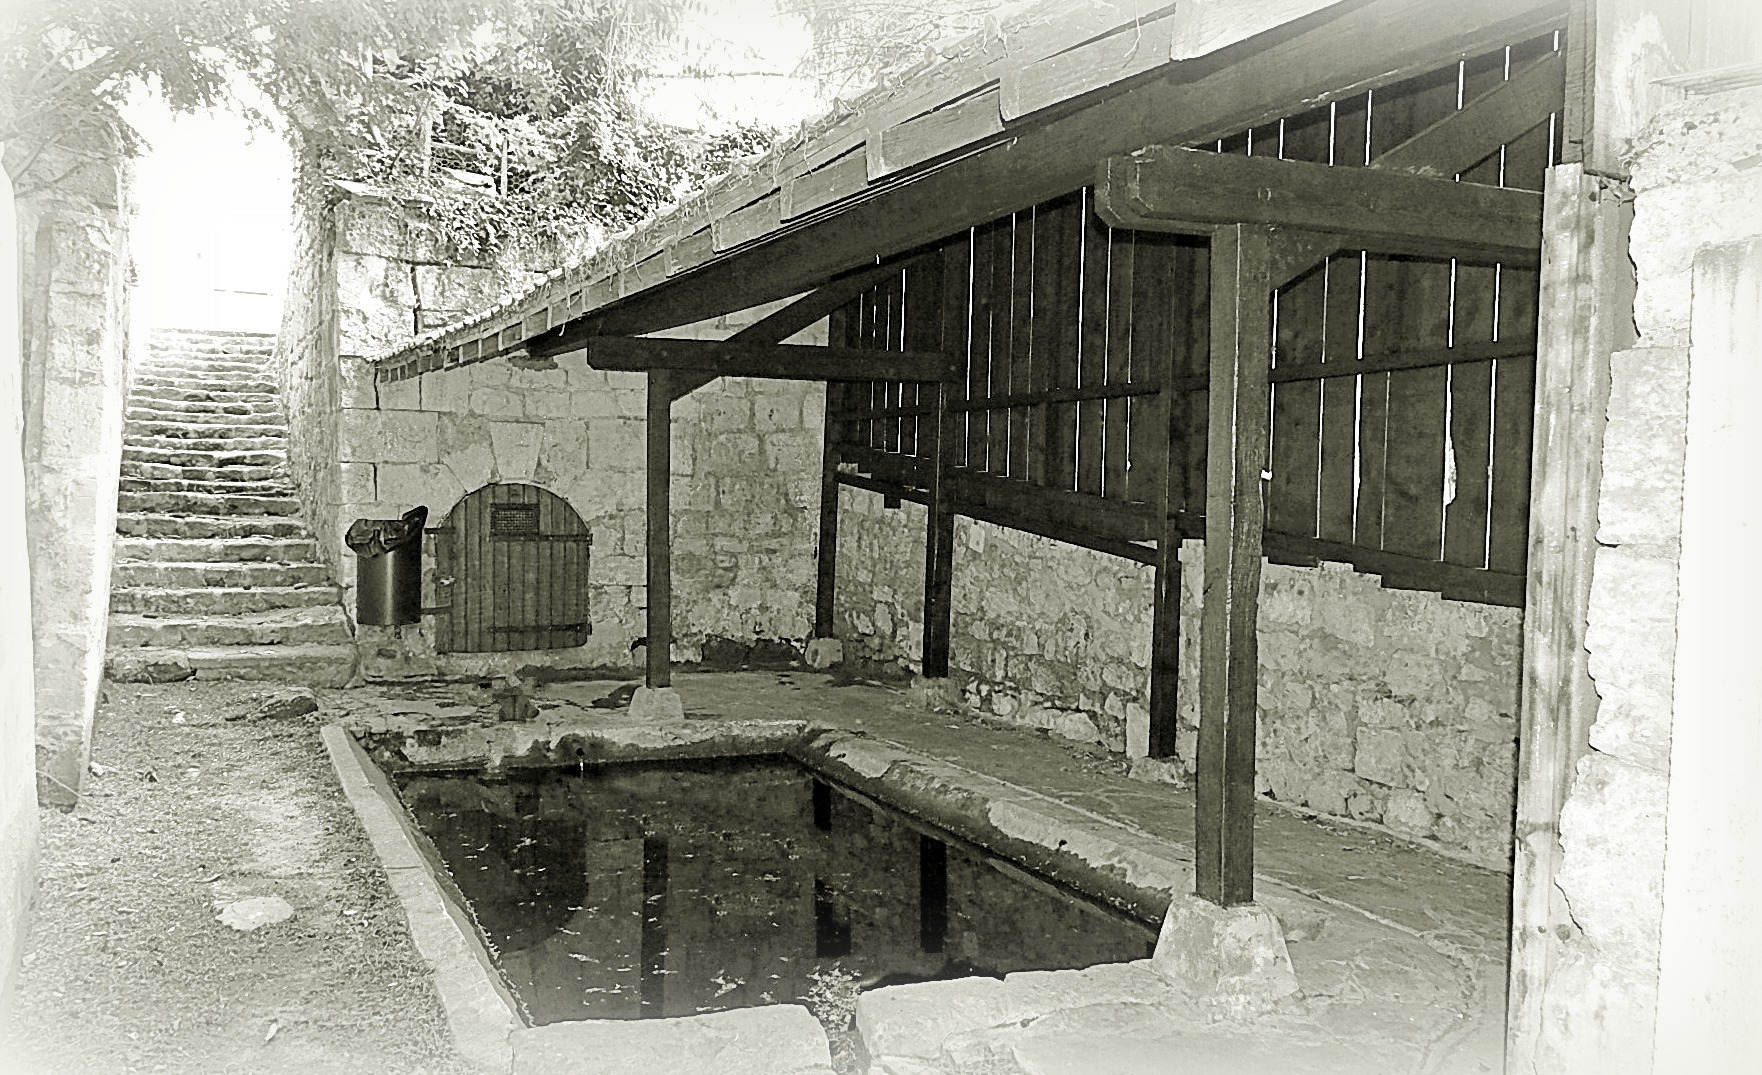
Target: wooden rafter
(1463, 138)
(1190, 191)
(1318, 59)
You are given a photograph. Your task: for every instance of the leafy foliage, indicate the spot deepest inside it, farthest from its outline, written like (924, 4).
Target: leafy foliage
(857, 41)
(499, 118)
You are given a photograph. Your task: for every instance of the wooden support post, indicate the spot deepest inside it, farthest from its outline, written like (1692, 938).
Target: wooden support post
(938, 543)
(660, 531)
(826, 579)
(1586, 296)
(1241, 348)
(1182, 343)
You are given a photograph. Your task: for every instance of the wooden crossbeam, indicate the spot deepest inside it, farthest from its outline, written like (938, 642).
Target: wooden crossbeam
(781, 324)
(784, 361)
(1462, 139)
(1164, 188)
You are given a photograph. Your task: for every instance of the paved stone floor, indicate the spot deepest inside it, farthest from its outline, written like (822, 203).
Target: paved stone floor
(1408, 974)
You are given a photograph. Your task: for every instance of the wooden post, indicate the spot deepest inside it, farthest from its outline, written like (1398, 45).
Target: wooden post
(1241, 346)
(1586, 291)
(660, 531)
(938, 544)
(1182, 338)
(826, 580)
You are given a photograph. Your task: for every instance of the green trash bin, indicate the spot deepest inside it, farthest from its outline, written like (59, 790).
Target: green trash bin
(388, 568)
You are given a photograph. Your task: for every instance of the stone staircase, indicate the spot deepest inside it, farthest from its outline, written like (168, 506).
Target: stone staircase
(216, 575)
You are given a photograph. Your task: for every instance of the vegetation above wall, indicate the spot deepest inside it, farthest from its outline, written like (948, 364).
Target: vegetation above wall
(499, 117)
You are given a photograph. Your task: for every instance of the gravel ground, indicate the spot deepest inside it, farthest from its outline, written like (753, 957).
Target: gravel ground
(128, 968)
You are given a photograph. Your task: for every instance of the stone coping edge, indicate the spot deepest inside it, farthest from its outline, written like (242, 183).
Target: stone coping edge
(481, 1014)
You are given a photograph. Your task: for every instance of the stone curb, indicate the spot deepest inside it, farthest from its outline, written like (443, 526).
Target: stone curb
(480, 1012)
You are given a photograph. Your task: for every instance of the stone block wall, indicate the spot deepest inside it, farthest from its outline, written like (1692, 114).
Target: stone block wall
(365, 274)
(1391, 707)
(746, 454)
(18, 789)
(75, 280)
(1694, 188)
(745, 496)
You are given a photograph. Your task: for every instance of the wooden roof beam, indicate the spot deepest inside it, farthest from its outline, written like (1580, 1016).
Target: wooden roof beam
(1322, 57)
(1164, 188)
(1459, 141)
(781, 361)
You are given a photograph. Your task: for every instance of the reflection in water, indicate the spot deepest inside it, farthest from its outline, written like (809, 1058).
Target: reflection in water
(646, 890)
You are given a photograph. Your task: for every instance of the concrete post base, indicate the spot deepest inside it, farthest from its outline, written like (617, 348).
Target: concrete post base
(1231, 957)
(823, 653)
(934, 693)
(657, 703)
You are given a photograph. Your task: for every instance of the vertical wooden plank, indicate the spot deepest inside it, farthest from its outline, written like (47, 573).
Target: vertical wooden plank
(1193, 341)
(987, 431)
(1057, 253)
(1296, 406)
(1413, 490)
(1091, 356)
(1115, 412)
(1152, 360)
(1234, 519)
(446, 567)
(999, 273)
(1514, 381)
(1027, 425)
(1335, 493)
(1471, 421)
(1382, 311)
(659, 543)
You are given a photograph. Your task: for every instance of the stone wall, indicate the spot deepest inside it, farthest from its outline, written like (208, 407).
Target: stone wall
(364, 275)
(1391, 707)
(18, 792)
(745, 498)
(1695, 188)
(76, 279)
(746, 454)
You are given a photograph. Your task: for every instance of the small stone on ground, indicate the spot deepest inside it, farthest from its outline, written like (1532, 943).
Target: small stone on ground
(284, 704)
(256, 912)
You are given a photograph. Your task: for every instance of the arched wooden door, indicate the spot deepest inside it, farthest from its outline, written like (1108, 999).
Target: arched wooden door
(511, 566)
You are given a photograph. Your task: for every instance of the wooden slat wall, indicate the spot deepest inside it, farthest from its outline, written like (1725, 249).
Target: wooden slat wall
(1085, 357)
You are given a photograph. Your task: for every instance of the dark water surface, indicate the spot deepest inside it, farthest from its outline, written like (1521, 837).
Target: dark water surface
(634, 890)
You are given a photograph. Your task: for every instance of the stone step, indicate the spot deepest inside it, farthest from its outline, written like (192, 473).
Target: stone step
(150, 408)
(204, 527)
(272, 487)
(306, 665)
(200, 350)
(241, 549)
(205, 504)
(177, 396)
(143, 574)
(158, 382)
(142, 432)
(223, 445)
(144, 416)
(220, 600)
(324, 624)
(216, 370)
(265, 457)
(139, 471)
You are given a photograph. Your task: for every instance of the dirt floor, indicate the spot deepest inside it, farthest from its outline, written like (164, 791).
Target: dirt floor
(128, 968)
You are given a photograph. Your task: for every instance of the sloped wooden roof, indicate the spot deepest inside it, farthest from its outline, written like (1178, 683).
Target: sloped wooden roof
(997, 121)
